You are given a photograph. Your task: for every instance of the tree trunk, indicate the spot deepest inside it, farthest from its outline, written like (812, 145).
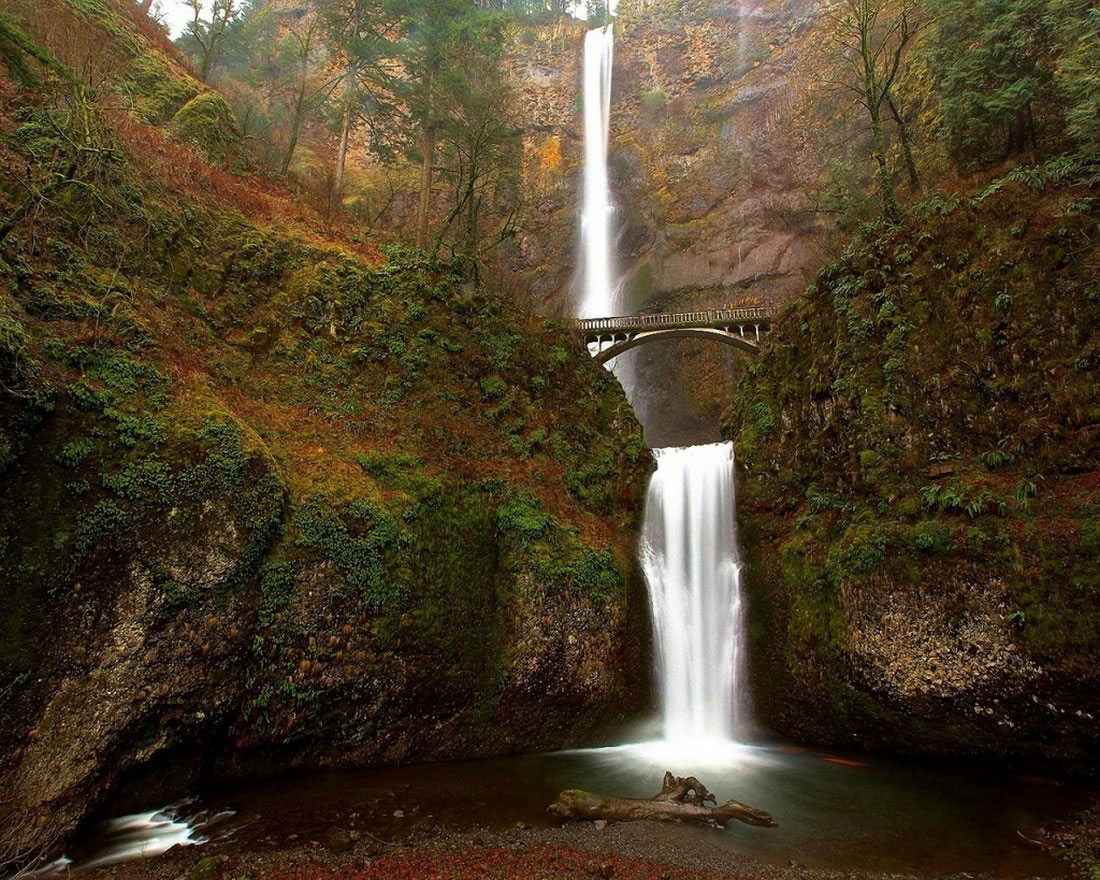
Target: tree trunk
(906, 144)
(427, 146)
(1021, 133)
(890, 207)
(295, 127)
(471, 229)
(680, 800)
(345, 131)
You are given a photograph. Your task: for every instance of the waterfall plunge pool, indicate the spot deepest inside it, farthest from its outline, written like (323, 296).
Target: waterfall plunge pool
(841, 812)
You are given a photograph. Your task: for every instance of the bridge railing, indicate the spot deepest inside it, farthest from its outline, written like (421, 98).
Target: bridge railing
(709, 317)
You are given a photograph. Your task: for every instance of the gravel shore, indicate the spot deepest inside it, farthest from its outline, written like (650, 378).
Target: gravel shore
(628, 850)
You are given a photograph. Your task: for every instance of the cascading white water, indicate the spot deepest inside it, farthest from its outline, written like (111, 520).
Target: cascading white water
(689, 546)
(141, 835)
(693, 570)
(598, 294)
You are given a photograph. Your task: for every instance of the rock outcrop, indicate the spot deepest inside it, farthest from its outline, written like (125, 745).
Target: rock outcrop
(921, 449)
(224, 581)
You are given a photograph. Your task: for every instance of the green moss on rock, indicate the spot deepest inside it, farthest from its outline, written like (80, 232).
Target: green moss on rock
(278, 493)
(919, 442)
(206, 122)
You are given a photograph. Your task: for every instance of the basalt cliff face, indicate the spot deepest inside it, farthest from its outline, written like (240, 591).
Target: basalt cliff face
(711, 174)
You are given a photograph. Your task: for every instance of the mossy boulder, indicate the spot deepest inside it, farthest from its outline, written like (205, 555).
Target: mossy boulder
(303, 587)
(130, 571)
(148, 74)
(206, 123)
(271, 501)
(158, 89)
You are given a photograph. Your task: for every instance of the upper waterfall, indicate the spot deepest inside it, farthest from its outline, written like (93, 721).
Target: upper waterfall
(598, 292)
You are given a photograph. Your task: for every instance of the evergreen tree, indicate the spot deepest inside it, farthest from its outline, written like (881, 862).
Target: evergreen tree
(301, 43)
(361, 32)
(251, 77)
(993, 69)
(436, 33)
(479, 143)
(1076, 25)
(204, 37)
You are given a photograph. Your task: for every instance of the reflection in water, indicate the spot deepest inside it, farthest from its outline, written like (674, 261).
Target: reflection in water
(847, 813)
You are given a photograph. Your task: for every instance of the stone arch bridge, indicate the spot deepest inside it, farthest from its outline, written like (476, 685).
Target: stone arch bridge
(607, 338)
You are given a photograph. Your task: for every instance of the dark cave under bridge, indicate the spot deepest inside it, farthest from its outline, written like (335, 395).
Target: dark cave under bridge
(744, 328)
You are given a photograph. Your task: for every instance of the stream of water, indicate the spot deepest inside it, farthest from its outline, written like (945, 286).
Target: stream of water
(598, 289)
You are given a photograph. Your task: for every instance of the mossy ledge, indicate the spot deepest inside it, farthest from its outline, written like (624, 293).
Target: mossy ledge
(920, 453)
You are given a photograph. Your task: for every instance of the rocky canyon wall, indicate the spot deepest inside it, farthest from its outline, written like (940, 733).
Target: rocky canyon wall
(711, 173)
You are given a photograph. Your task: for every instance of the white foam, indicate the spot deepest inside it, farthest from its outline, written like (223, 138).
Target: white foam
(140, 836)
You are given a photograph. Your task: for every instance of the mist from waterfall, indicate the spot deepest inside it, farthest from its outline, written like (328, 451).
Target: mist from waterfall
(693, 571)
(598, 288)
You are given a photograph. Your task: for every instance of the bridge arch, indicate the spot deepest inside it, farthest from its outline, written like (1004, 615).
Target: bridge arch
(740, 328)
(624, 343)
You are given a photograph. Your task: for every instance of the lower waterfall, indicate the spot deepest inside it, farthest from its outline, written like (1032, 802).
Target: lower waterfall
(693, 567)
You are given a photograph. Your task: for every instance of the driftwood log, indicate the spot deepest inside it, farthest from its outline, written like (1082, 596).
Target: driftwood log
(680, 800)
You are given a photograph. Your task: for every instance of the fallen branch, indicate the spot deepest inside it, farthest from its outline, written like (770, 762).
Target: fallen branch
(680, 800)
(1041, 844)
